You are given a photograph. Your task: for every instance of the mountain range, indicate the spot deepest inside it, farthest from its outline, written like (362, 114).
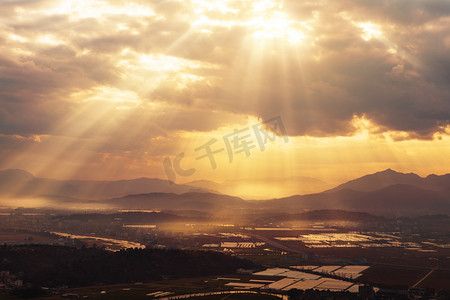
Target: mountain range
(396, 198)
(383, 192)
(20, 183)
(379, 180)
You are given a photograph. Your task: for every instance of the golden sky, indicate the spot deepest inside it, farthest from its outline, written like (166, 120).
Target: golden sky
(109, 89)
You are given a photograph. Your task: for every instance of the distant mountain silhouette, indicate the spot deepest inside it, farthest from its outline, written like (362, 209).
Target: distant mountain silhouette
(380, 193)
(207, 184)
(187, 201)
(14, 174)
(21, 183)
(398, 198)
(389, 177)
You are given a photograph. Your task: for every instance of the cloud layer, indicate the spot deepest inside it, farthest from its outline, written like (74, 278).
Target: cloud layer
(122, 75)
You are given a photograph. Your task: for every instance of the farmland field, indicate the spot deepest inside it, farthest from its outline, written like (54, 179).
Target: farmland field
(384, 275)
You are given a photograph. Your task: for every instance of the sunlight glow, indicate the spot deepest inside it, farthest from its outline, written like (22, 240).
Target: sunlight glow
(270, 22)
(164, 62)
(184, 79)
(126, 99)
(264, 5)
(17, 38)
(221, 6)
(49, 40)
(265, 20)
(277, 25)
(146, 72)
(157, 62)
(369, 30)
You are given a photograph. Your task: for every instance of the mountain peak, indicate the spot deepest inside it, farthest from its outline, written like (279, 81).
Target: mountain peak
(380, 180)
(389, 171)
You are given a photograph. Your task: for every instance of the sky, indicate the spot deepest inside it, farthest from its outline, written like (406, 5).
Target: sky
(124, 89)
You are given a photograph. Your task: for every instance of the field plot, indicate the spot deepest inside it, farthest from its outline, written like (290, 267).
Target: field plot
(235, 245)
(333, 237)
(300, 275)
(439, 279)
(272, 272)
(237, 297)
(350, 271)
(327, 269)
(281, 284)
(304, 267)
(242, 285)
(386, 275)
(303, 285)
(351, 240)
(304, 281)
(288, 238)
(333, 285)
